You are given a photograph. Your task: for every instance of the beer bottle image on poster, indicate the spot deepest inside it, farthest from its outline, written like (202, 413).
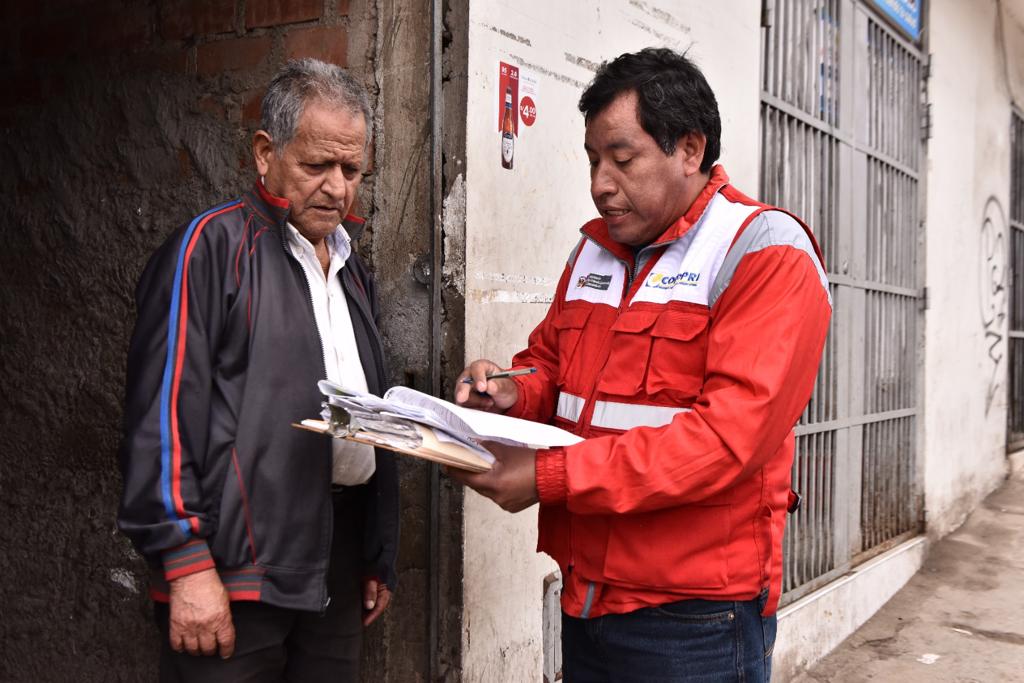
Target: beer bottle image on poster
(507, 137)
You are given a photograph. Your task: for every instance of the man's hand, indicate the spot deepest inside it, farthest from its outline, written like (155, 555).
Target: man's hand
(492, 395)
(511, 483)
(376, 598)
(201, 616)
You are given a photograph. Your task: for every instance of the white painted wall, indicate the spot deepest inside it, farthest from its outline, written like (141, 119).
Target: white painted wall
(521, 225)
(968, 180)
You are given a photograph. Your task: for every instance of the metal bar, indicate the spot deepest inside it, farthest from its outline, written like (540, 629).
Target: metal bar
(786, 45)
(868, 484)
(799, 74)
(885, 131)
(437, 282)
(817, 61)
(824, 530)
(854, 421)
(810, 547)
(872, 286)
(778, 24)
(1015, 399)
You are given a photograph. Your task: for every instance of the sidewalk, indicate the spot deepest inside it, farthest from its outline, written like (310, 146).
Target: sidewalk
(960, 619)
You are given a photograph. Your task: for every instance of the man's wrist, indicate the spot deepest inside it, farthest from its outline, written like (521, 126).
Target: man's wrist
(517, 409)
(189, 558)
(552, 487)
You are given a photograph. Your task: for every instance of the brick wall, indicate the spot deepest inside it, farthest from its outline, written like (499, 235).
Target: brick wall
(121, 120)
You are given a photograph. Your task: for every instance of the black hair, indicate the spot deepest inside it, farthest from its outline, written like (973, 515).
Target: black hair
(673, 98)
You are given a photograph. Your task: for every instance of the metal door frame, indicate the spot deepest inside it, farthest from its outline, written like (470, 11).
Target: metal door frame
(1015, 332)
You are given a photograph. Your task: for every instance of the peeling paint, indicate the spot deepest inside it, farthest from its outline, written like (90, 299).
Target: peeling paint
(509, 296)
(125, 579)
(547, 72)
(667, 39)
(515, 278)
(582, 61)
(663, 18)
(454, 269)
(508, 34)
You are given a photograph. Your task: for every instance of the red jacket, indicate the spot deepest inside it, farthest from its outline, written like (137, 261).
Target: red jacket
(685, 371)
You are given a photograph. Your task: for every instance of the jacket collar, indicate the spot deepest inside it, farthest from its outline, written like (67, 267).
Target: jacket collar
(597, 229)
(279, 208)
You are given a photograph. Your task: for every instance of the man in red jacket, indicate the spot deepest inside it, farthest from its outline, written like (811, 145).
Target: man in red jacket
(682, 344)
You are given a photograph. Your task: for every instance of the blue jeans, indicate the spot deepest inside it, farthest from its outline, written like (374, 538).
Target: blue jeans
(699, 641)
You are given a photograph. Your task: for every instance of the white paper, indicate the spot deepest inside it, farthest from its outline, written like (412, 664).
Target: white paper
(485, 426)
(451, 423)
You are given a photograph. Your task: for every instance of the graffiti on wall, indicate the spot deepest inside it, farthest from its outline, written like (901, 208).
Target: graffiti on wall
(995, 269)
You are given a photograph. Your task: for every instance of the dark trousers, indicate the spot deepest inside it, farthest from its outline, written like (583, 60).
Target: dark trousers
(695, 641)
(273, 644)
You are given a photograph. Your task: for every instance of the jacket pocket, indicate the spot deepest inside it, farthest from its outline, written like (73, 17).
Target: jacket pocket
(232, 545)
(569, 325)
(677, 548)
(623, 374)
(678, 354)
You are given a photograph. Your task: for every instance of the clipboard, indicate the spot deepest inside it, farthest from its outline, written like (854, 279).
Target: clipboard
(432, 449)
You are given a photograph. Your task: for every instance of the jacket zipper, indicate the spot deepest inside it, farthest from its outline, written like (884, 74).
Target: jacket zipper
(585, 418)
(369, 325)
(325, 599)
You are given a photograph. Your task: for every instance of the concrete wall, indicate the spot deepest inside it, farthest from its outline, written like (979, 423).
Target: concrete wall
(966, 255)
(120, 121)
(521, 224)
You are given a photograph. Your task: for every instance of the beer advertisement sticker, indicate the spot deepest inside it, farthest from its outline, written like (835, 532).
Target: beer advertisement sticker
(508, 112)
(508, 86)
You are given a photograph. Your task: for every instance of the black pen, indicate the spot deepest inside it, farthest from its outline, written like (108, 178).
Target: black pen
(504, 373)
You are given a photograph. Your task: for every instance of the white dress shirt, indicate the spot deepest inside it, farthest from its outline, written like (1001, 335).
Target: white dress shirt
(353, 463)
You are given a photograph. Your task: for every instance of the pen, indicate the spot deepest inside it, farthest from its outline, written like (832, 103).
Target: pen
(504, 373)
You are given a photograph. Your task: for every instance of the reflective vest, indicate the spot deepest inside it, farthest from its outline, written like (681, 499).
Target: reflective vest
(685, 367)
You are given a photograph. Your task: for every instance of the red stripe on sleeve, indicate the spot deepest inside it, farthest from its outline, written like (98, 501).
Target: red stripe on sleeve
(179, 362)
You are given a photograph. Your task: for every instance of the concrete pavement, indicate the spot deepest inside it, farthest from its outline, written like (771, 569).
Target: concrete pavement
(960, 619)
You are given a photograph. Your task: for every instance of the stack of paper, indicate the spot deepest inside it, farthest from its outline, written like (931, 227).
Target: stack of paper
(411, 422)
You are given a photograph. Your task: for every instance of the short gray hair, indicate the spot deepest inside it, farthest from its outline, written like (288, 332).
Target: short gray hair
(303, 80)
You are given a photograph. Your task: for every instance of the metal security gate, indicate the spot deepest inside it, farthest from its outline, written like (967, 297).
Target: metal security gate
(1015, 413)
(841, 146)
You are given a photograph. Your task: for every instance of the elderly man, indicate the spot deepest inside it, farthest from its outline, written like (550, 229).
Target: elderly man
(271, 547)
(682, 343)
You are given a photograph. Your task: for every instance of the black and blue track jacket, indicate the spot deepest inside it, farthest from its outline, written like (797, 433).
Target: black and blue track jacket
(224, 358)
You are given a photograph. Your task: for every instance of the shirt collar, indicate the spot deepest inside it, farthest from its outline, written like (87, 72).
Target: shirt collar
(338, 242)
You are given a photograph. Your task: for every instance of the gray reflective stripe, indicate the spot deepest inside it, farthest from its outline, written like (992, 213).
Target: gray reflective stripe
(628, 415)
(769, 229)
(575, 250)
(588, 602)
(570, 407)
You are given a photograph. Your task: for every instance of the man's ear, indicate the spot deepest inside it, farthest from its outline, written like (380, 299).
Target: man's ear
(691, 149)
(262, 151)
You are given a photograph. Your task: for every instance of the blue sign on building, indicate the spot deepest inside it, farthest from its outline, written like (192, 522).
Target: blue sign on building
(906, 14)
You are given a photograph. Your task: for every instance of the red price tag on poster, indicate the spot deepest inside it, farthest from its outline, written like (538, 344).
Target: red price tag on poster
(508, 83)
(527, 110)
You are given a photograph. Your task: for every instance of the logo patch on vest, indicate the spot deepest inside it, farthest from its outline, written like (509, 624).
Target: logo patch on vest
(662, 281)
(594, 281)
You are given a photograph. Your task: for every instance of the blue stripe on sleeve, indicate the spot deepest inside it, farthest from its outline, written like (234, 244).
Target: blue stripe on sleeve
(165, 390)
